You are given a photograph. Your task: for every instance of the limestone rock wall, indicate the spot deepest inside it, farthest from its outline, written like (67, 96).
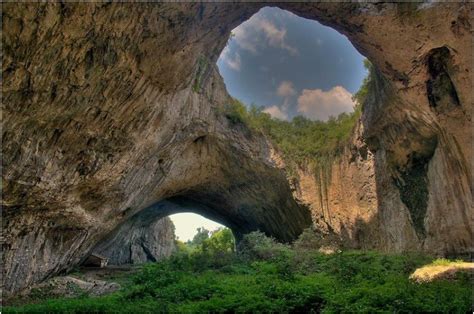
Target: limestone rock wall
(342, 195)
(416, 124)
(141, 239)
(109, 108)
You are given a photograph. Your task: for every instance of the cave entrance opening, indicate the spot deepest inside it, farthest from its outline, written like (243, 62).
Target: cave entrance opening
(289, 66)
(284, 65)
(195, 232)
(302, 84)
(162, 229)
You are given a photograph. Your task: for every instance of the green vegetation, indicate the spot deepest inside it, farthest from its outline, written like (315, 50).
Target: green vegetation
(202, 68)
(266, 276)
(302, 140)
(361, 95)
(445, 262)
(215, 243)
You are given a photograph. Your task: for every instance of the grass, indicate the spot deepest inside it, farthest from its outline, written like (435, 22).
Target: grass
(445, 262)
(441, 268)
(286, 281)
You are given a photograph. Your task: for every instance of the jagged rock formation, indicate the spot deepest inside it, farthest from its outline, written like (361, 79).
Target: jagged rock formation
(416, 124)
(143, 238)
(342, 196)
(110, 108)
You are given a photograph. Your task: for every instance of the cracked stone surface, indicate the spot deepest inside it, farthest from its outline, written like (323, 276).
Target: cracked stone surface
(110, 108)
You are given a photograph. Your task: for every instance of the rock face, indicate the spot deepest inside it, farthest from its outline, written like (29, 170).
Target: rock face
(110, 108)
(416, 124)
(342, 196)
(143, 238)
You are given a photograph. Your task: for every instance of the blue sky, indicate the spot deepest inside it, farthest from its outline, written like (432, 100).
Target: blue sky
(291, 66)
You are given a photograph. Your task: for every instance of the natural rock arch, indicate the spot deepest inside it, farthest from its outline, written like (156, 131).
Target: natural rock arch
(148, 235)
(112, 107)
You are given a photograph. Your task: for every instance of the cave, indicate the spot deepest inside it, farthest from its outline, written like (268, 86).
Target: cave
(152, 234)
(114, 108)
(125, 242)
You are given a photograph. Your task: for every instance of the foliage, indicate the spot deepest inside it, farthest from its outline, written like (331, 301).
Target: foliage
(236, 112)
(202, 67)
(300, 139)
(201, 235)
(206, 249)
(182, 247)
(361, 95)
(303, 140)
(221, 241)
(445, 262)
(255, 281)
(211, 242)
(257, 245)
(311, 239)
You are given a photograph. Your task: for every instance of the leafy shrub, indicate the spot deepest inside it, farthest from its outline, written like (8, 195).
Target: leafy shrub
(311, 239)
(257, 246)
(441, 262)
(302, 140)
(236, 112)
(270, 277)
(221, 241)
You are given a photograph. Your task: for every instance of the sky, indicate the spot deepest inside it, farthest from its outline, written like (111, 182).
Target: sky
(291, 66)
(187, 223)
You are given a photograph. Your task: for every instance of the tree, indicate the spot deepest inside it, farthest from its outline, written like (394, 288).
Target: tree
(361, 95)
(201, 235)
(221, 241)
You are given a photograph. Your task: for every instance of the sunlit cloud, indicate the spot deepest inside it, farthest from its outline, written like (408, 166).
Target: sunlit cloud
(231, 60)
(257, 32)
(320, 105)
(286, 89)
(276, 112)
(234, 63)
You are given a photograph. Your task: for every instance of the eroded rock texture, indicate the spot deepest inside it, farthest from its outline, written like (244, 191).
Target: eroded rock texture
(143, 238)
(416, 125)
(342, 195)
(110, 108)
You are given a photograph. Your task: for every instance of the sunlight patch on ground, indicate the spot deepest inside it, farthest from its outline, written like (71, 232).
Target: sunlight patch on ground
(441, 269)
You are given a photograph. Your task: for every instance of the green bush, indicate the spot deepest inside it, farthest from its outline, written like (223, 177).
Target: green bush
(257, 246)
(271, 277)
(221, 241)
(302, 140)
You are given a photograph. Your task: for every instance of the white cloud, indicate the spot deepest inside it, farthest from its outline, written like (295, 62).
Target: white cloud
(286, 89)
(276, 112)
(244, 39)
(232, 62)
(320, 105)
(258, 31)
(275, 36)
